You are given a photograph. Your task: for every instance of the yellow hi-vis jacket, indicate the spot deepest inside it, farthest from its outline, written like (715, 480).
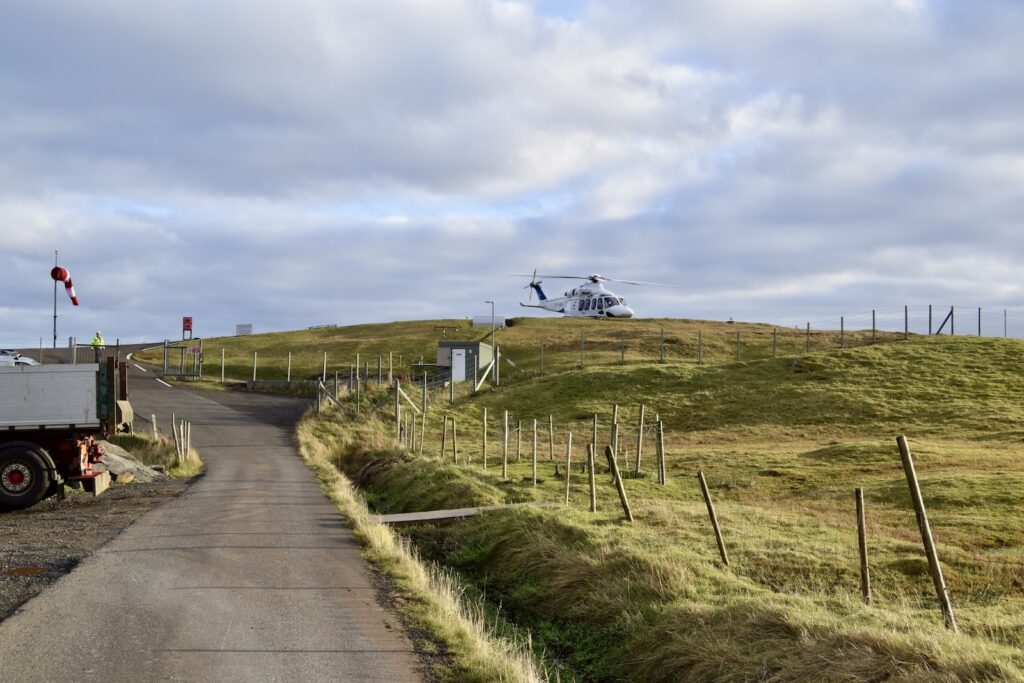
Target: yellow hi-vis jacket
(97, 342)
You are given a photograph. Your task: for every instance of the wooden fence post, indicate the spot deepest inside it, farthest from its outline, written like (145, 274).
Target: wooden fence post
(535, 452)
(444, 438)
(862, 545)
(484, 445)
(640, 438)
(593, 482)
(934, 568)
(662, 478)
(423, 430)
(398, 410)
(551, 437)
(391, 366)
(568, 466)
(519, 440)
(455, 441)
(714, 518)
(594, 437)
(619, 486)
(504, 448)
(613, 441)
(254, 355)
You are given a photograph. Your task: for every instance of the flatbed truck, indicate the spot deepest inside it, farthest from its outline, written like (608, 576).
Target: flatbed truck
(51, 417)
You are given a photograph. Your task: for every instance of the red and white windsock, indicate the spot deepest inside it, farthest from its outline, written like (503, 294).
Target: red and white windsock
(62, 275)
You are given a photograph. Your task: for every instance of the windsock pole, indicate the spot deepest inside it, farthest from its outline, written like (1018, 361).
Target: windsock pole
(54, 302)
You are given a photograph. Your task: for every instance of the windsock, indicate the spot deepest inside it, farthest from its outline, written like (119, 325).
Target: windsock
(62, 275)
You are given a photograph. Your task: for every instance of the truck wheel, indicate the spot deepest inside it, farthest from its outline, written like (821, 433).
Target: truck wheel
(24, 476)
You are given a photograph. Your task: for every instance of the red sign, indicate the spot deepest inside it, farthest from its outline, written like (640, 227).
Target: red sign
(186, 324)
(194, 350)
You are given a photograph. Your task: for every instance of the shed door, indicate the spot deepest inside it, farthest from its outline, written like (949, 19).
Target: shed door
(458, 365)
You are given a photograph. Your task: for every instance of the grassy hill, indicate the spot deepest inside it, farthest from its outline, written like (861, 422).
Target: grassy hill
(783, 443)
(642, 341)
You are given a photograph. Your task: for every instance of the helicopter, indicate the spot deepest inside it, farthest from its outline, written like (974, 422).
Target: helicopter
(588, 300)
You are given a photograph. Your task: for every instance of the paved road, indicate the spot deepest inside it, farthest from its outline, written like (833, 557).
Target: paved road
(250, 575)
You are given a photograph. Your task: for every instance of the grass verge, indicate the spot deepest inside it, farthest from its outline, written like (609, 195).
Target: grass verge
(434, 599)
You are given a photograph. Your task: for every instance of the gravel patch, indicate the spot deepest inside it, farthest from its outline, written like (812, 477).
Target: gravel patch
(41, 544)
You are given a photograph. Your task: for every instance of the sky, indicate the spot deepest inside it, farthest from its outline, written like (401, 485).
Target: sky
(289, 164)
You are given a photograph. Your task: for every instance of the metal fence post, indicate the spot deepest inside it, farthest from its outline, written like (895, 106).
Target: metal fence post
(289, 375)
(254, 366)
(222, 365)
(906, 322)
(842, 332)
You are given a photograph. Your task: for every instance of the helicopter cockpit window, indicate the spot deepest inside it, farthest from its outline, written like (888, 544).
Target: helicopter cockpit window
(608, 302)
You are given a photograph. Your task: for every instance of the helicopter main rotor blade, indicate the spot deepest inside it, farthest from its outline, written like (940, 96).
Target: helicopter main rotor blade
(648, 284)
(563, 277)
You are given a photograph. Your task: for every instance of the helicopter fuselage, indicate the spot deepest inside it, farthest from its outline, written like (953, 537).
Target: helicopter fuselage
(588, 300)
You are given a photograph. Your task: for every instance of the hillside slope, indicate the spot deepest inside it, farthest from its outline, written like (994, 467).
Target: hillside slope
(783, 443)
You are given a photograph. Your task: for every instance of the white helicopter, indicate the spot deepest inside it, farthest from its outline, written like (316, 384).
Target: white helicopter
(588, 300)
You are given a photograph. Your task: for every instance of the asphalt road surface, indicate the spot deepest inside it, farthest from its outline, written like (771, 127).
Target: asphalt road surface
(249, 575)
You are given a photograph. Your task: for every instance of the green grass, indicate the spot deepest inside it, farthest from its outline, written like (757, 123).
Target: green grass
(783, 443)
(410, 342)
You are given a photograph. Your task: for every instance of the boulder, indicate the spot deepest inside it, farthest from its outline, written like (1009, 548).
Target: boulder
(124, 468)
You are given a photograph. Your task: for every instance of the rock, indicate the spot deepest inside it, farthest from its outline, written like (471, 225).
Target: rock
(124, 468)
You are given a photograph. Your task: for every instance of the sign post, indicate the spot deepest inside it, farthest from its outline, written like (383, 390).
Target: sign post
(186, 326)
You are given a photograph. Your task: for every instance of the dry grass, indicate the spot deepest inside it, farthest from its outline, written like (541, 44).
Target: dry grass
(436, 598)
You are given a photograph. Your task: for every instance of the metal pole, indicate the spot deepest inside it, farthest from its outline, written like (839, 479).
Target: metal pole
(167, 350)
(952, 320)
(874, 328)
(289, 366)
(906, 322)
(929, 320)
(979, 321)
(842, 332)
(934, 568)
(323, 377)
(55, 304)
(222, 365)
(254, 365)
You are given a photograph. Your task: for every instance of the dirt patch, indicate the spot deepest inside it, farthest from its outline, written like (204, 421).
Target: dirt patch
(41, 544)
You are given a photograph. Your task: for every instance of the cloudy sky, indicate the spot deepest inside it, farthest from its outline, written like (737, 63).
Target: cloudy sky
(296, 163)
